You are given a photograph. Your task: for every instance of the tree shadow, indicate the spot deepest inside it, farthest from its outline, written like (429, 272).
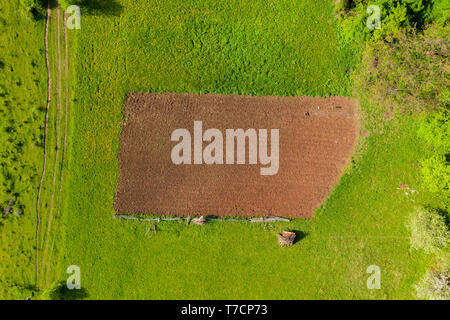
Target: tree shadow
(99, 7)
(89, 7)
(420, 15)
(38, 10)
(61, 292)
(444, 214)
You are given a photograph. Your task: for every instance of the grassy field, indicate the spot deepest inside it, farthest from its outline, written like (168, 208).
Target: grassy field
(362, 224)
(242, 47)
(23, 83)
(22, 112)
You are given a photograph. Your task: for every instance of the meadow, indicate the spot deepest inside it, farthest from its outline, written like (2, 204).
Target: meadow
(31, 239)
(258, 47)
(240, 47)
(22, 112)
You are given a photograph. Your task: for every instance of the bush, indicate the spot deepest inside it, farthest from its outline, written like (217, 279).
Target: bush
(35, 7)
(435, 130)
(429, 231)
(27, 5)
(440, 12)
(436, 174)
(408, 73)
(395, 16)
(435, 285)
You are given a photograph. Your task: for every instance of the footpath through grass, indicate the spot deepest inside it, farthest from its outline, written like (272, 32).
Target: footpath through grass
(242, 47)
(24, 271)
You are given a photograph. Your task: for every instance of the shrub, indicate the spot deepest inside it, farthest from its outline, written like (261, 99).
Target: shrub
(35, 7)
(435, 285)
(440, 13)
(428, 230)
(408, 73)
(395, 16)
(435, 130)
(34, 4)
(436, 174)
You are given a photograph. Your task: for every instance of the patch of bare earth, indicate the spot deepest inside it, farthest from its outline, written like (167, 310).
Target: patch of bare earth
(316, 141)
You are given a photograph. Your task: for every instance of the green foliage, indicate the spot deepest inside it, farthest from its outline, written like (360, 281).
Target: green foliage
(20, 139)
(34, 7)
(436, 174)
(66, 3)
(429, 230)
(396, 15)
(435, 130)
(441, 12)
(408, 74)
(22, 103)
(435, 285)
(27, 5)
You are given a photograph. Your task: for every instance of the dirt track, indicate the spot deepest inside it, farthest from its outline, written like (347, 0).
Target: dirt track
(48, 203)
(315, 145)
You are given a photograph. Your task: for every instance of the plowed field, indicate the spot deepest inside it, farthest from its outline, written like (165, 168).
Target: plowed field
(316, 140)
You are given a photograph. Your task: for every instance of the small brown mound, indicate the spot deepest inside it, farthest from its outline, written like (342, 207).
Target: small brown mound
(316, 140)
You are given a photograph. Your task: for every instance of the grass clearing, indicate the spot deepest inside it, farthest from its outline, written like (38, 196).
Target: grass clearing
(289, 48)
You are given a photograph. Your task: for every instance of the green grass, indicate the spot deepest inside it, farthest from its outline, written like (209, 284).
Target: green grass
(251, 47)
(361, 224)
(23, 85)
(51, 232)
(242, 47)
(22, 112)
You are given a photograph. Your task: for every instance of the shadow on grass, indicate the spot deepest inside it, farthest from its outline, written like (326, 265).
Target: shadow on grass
(299, 235)
(99, 7)
(90, 7)
(444, 214)
(61, 292)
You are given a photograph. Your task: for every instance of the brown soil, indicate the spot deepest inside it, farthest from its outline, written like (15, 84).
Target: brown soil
(315, 145)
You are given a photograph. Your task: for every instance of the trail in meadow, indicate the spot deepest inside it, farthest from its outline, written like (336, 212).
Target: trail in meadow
(45, 250)
(49, 92)
(49, 237)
